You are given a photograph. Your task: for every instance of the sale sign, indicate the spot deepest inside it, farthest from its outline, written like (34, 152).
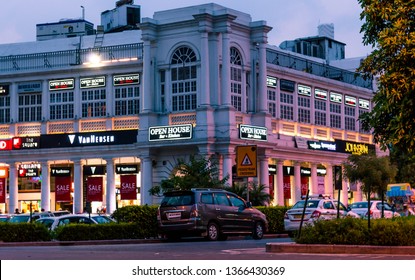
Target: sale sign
(2, 190)
(63, 189)
(128, 188)
(94, 189)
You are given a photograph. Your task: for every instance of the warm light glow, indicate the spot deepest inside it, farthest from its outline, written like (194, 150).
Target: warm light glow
(94, 59)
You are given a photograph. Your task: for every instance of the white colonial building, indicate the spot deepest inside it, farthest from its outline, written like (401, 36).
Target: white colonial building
(99, 119)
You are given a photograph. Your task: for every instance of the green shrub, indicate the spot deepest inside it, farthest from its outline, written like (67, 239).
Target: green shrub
(350, 231)
(275, 217)
(24, 232)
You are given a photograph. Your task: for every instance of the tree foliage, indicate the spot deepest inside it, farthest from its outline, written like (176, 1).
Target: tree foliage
(258, 194)
(197, 172)
(374, 173)
(389, 27)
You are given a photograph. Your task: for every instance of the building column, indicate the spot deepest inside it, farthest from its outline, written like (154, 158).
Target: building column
(280, 183)
(146, 180)
(262, 79)
(13, 188)
(314, 183)
(45, 186)
(328, 181)
(146, 97)
(226, 71)
(78, 186)
(110, 196)
(264, 173)
(204, 70)
(297, 183)
(227, 167)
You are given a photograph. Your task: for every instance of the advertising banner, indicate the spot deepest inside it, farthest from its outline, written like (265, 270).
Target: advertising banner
(304, 185)
(63, 189)
(2, 190)
(287, 187)
(128, 189)
(94, 189)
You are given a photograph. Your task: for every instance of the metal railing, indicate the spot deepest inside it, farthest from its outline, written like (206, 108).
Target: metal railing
(62, 59)
(319, 69)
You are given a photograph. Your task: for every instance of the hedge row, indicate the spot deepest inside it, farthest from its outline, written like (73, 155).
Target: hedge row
(350, 231)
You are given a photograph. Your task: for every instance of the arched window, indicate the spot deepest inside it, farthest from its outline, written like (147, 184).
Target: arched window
(236, 79)
(183, 80)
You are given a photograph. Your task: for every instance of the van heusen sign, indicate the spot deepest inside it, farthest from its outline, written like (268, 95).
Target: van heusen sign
(120, 137)
(341, 146)
(249, 132)
(127, 168)
(173, 132)
(60, 171)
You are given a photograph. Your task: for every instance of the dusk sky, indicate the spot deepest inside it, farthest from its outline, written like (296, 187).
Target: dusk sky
(290, 19)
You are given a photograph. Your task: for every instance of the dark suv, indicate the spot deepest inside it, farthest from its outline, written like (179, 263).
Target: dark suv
(212, 213)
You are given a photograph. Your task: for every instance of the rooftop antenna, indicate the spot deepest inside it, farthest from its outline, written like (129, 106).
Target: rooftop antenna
(83, 12)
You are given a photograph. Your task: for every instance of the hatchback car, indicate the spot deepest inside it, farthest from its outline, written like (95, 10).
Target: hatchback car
(315, 209)
(361, 208)
(71, 219)
(212, 213)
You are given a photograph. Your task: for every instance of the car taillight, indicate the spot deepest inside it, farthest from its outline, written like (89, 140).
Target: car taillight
(315, 215)
(371, 213)
(194, 212)
(158, 215)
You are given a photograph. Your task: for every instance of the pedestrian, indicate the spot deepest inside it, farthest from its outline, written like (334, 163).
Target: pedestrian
(16, 211)
(405, 211)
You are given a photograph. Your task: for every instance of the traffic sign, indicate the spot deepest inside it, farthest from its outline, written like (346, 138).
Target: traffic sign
(246, 161)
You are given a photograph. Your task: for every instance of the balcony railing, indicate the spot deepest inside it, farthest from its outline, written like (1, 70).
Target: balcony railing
(319, 69)
(62, 59)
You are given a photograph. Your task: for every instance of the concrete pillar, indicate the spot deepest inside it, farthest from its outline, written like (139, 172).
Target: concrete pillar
(110, 188)
(262, 79)
(227, 167)
(78, 186)
(297, 182)
(146, 98)
(13, 187)
(226, 71)
(314, 183)
(45, 186)
(280, 183)
(146, 180)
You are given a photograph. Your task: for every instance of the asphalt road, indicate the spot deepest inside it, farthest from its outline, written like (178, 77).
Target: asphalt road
(190, 249)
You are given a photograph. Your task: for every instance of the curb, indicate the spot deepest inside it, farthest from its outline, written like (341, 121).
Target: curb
(338, 249)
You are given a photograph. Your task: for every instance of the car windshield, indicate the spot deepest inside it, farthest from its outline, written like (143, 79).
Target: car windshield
(102, 219)
(357, 205)
(310, 204)
(175, 200)
(19, 219)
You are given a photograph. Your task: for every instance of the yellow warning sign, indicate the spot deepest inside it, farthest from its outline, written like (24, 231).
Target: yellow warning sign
(246, 161)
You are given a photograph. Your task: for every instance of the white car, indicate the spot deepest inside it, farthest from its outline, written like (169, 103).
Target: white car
(316, 209)
(361, 208)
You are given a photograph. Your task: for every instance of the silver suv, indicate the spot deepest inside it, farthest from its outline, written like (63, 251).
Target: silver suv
(212, 213)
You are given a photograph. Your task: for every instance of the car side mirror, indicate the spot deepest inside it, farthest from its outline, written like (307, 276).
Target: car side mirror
(248, 204)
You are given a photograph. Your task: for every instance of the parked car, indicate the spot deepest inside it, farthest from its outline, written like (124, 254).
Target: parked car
(212, 213)
(47, 221)
(71, 219)
(27, 217)
(317, 208)
(361, 208)
(5, 217)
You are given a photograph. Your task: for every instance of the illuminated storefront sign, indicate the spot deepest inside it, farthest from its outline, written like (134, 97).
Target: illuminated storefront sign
(173, 132)
(363, 103)
(322, 145)
(336, 97)
(127, 169)
(341, 146)
(89, 139)
(320, 94)
(20, 143)
(60, 171)
(29, 87)
(350, 100)
(5, 144)
(29, 170)
(127, 79)
(90, 170)
(4, 89)
(92, 82)
(272, 82)
(62, 84)
(304, 90)
(249, 132)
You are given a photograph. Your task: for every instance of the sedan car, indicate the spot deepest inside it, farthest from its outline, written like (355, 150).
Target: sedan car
(71, 219)
(361, 208)
(315, 209)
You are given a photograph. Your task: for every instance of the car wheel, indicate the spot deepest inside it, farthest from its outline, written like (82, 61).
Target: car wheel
(213, 232)
(258, 231)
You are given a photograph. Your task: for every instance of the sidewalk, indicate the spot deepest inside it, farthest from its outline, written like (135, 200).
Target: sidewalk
(338, 249)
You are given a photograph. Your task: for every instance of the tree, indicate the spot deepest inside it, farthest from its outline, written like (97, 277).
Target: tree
(374, 173)
(257, 193)
(198, 172)
(389, 27)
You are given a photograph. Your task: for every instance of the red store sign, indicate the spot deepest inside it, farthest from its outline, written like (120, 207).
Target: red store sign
(5, 145)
